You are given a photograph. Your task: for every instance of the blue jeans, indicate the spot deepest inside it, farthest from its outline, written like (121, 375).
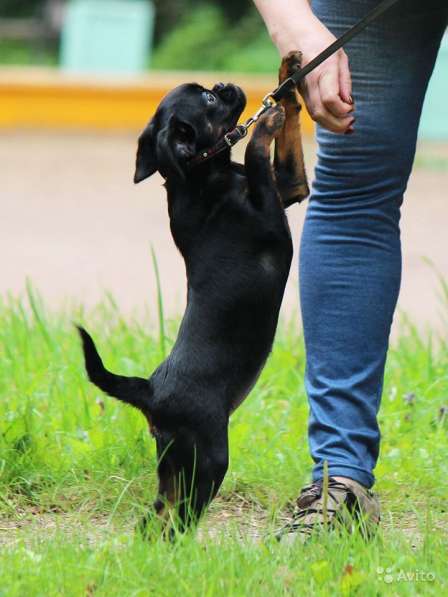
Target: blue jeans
(350, 257)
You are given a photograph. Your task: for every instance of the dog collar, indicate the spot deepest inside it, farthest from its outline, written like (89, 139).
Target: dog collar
(229, 140)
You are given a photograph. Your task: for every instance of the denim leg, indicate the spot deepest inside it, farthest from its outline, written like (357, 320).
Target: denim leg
(350, 258)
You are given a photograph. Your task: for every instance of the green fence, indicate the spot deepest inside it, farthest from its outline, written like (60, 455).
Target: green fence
(112, 36)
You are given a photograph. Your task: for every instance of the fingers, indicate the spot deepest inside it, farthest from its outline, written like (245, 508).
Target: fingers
(332, 123)
(330, 95)
(337, 123)
(320, 114)
(327, 94)
(345, 79)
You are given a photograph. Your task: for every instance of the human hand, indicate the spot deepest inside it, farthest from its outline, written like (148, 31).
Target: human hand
(327, 89)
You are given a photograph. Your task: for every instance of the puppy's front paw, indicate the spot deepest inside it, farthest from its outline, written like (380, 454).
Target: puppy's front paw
(272, 121)
(291, 63)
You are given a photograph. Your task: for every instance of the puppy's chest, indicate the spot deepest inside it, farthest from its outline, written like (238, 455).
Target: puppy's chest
(268, 262)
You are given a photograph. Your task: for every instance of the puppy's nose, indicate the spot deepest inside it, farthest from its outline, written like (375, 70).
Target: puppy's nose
(218, 87)
(228, 93)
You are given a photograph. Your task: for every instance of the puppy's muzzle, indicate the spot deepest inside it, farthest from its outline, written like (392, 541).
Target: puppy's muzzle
(229, 93)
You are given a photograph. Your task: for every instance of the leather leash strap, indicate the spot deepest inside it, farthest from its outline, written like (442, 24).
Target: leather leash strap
(240, 131)
(229, 140)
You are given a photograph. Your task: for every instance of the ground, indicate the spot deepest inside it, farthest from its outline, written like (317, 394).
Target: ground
(78, 469)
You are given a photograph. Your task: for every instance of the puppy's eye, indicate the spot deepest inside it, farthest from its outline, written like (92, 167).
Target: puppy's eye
(211, 99)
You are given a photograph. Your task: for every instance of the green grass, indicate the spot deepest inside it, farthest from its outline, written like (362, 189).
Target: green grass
(77, 469)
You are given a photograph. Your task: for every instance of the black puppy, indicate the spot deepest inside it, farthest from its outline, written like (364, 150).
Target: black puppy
(229, 224)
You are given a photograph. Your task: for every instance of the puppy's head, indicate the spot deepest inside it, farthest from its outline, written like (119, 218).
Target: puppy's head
(192, 463)
(190, 118)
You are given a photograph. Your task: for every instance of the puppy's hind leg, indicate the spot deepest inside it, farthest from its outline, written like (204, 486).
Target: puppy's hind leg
(289, 163)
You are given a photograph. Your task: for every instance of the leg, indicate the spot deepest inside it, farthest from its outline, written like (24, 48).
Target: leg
(289, 164)
(159, 520)
(350, 262)
(263, 190)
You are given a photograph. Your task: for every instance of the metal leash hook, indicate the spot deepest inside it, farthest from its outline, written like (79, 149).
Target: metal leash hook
(267, 102)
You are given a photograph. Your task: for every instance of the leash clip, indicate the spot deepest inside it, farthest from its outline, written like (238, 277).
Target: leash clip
(240, 130)
(268, 101)
(228, 140)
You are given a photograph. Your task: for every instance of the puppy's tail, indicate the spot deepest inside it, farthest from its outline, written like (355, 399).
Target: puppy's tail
(132, 390)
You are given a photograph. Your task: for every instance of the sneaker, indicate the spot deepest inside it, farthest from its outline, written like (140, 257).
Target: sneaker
(348, 505)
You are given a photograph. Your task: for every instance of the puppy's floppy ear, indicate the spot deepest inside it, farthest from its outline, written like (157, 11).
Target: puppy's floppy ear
(182, 137)
(146, 162)
(176, 144)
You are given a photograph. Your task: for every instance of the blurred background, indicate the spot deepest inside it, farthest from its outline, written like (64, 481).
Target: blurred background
(78, 81)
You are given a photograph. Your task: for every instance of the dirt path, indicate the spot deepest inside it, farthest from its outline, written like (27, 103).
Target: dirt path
(73, 222)
(234, 516)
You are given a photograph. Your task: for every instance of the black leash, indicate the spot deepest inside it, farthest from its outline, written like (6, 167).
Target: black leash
(240, 131)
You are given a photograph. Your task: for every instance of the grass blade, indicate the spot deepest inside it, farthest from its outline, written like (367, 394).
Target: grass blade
(159, 304)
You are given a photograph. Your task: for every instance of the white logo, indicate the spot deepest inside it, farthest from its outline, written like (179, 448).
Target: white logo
(389, 576)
